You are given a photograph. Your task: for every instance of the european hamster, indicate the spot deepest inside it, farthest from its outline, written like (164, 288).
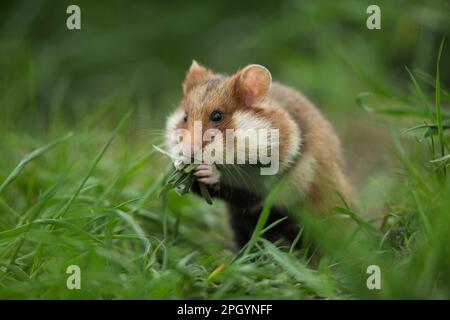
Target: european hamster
(309, 152)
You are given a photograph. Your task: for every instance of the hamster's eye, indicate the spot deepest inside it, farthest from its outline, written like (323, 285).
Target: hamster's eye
(185, 117)
(216, 116)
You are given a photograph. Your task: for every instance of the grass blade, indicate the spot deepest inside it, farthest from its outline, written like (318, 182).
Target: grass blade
(420, 93)
(64, 209)
(205, 193)
(264, 216)
(438, 106)
(300, 272)
(55, 222)
(30, 157)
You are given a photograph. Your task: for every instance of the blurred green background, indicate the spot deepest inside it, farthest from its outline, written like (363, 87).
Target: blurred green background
(134, 55)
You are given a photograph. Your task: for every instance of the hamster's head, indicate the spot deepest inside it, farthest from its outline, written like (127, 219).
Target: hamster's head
(212, 104)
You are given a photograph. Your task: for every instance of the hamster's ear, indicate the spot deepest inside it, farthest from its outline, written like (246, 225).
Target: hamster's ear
(253, 83)
(195, 75)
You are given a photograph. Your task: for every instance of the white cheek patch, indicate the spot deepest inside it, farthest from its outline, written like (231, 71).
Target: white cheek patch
(248, 127)
(256, 141)
(171, 129)
(248, 120)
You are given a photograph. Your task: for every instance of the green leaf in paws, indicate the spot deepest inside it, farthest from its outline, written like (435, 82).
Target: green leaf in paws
(182, 179)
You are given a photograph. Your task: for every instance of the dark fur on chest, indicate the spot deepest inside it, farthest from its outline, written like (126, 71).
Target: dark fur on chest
(245, 208)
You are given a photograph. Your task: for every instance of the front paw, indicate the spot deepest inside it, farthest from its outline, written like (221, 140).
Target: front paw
(207, 174)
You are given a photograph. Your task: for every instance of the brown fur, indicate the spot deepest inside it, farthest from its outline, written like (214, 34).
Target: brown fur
(320, 140)
(206, 92)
